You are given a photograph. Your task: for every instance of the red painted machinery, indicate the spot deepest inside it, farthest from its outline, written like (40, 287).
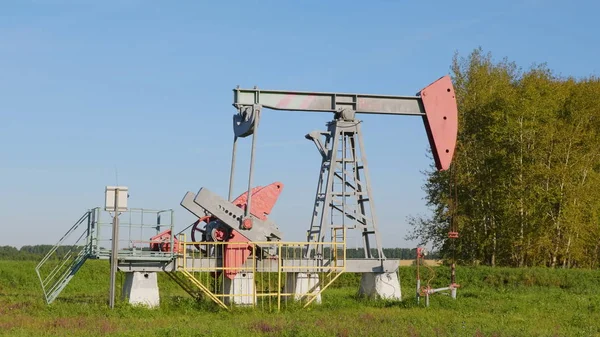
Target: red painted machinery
(263, 200)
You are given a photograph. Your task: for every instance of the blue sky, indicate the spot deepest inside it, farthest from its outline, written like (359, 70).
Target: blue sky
(145, 88)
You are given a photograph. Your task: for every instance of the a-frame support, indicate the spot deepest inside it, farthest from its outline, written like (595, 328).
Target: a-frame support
(344, 200)
(344, 197)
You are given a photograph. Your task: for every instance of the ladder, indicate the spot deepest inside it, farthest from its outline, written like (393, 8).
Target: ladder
(343, 197)
(66, 257)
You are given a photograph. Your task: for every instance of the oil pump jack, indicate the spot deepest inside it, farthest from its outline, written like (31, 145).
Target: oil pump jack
(343, 197)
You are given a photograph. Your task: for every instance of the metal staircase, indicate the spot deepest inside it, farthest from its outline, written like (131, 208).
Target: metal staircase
(89, 236)
(58, 267)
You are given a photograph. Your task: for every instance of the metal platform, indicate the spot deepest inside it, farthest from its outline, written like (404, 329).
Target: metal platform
(298, 265)
(90, 237)
(188, 263)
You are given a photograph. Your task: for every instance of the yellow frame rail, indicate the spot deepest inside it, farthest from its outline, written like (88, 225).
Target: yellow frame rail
(203, 268)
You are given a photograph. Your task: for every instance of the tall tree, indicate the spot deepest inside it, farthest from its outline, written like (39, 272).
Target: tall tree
(524, 185)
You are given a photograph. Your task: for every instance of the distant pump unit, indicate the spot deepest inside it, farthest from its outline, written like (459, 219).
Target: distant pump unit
(109, 198)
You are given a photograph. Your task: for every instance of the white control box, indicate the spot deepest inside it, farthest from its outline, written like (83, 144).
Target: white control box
(109, 198)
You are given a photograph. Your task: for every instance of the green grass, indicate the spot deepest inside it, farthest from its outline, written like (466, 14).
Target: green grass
(491, 302)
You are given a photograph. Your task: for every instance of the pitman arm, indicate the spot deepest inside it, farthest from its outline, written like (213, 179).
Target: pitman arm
(436, 103)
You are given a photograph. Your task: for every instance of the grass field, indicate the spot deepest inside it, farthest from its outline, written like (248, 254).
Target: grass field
(491, 302)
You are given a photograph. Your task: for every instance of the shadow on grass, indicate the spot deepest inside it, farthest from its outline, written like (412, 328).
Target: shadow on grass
(81, 299)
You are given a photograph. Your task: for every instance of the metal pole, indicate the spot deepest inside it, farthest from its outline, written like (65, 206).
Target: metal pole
(248, 203)
(418, 279)
(114, 251)
(453, 281)
(232, 169)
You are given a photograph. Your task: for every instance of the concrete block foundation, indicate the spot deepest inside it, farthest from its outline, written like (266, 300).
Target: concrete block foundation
(303, 286)
(141, 288)
(380, 285)
(241, 289)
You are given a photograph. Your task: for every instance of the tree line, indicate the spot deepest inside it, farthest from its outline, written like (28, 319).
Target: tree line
(524, 185)
(390, 253)
(35, 252)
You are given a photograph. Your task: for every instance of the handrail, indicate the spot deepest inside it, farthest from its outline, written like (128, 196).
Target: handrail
(65, 236)
(58, 276)
(196, 266)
